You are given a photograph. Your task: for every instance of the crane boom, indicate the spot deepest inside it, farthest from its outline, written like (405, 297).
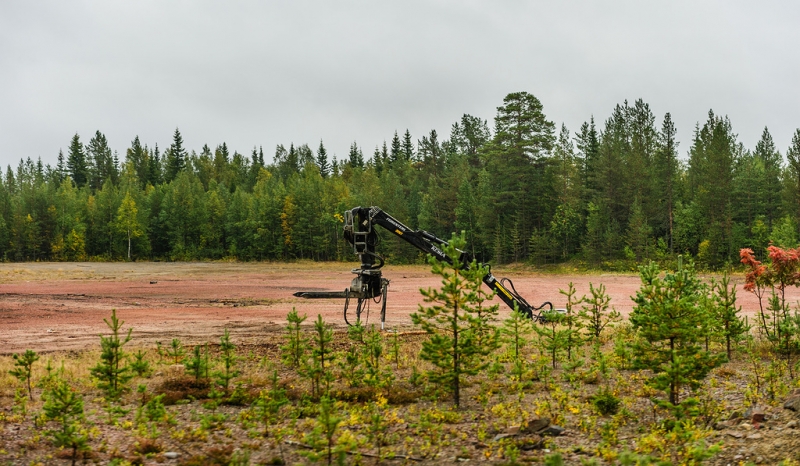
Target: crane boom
(360, 232)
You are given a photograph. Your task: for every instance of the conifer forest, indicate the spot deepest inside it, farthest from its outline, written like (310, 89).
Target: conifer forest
(617, 191)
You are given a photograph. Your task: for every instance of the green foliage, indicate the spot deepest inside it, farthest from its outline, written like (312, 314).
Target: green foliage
(228, 360)
(197, 365)
(553, 337)
(175, 351)
(571, 321)
(321, 438)
(319, 368)
(726, 313)
(269, 403)
(453, 322)
(516, 332)
(668, 320)
(615, 195)
(23, 366)
(293, 352)
(112, 372)
(594, 314)
(606, 402)
(140, 366)
(65, 406)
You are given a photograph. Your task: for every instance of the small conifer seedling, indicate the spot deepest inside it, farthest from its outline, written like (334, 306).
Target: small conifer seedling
(111, 372)
(23, 364)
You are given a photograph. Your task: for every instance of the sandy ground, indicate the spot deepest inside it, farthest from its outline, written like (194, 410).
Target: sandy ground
(61, 306)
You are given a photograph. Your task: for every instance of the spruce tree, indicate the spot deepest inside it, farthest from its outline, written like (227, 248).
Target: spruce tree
(668, 320)
(77, 164)
(322, 160)
(175, 157)
(408, 147)
(396, 149)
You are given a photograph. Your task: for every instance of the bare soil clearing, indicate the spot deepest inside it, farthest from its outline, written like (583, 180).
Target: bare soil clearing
(61, 306)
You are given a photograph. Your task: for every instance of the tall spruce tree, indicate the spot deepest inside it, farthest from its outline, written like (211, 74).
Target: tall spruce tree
(666, 169)
(711, 163)
(77, 164)
(322, 160)
(102, 165)
(396, 148)
(769, 190)
(408, 147)
(175, 157)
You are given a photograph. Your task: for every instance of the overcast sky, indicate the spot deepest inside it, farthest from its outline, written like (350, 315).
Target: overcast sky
(258, 73)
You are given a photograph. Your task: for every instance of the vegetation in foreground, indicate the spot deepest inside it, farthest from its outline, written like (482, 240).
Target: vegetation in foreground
(583, 388)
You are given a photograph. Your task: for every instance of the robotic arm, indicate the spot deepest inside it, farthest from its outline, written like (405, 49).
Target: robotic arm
(359, 231)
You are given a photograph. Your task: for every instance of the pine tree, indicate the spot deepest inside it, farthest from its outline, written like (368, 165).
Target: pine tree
(553, 337)
(726, 313)
(111, 372)
(23, 365)
(668, 320)
(451, 322)
(711, 163)
(517, 158)
(594, 314)
(197, 365)
(319, 370)
(228, 358)
(64, 405)
(515, 331)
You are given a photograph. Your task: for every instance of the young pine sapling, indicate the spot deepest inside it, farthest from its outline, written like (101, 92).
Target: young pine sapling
(111, 372)
(23, 367)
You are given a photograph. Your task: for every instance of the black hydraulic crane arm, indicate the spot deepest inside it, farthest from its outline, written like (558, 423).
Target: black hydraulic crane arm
(359, 231)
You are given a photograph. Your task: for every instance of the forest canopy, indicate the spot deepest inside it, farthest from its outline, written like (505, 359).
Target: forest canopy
(522, 189)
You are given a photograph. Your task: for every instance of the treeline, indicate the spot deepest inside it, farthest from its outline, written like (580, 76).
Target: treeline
(523, 191)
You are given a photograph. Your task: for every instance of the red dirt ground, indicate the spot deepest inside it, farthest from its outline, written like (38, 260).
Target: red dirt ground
(61, 306)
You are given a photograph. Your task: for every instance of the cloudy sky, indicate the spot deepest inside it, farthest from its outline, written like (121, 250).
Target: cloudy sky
(256, 73)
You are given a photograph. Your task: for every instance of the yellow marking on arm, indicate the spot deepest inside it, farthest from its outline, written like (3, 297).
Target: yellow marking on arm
(505, 292)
